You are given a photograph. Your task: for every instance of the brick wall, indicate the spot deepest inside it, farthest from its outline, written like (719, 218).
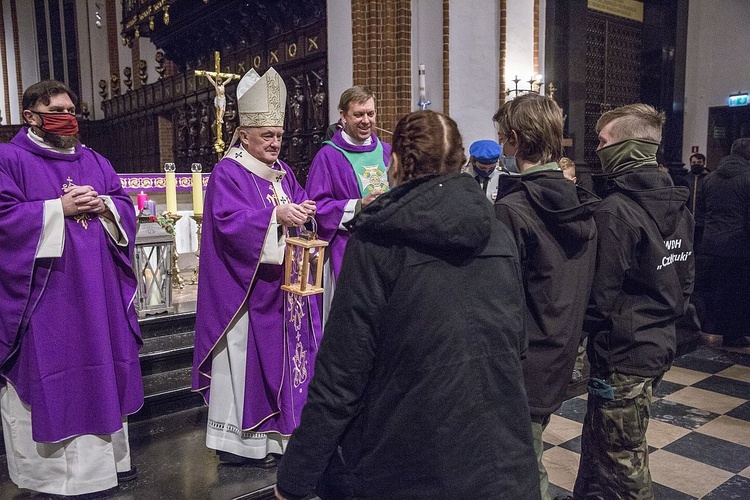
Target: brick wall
(446, 57)
(503, 48)
(381, 35)
(166, 138)
(536, 37)
(4, 61)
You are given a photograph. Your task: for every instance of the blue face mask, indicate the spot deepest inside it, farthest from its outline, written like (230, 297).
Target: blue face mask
(483, 173)
(510, 163)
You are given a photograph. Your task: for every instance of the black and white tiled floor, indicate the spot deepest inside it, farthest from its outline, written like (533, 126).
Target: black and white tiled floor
(698, 435)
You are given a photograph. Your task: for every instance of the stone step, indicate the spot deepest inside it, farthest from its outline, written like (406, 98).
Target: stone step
(167, 392)
(161, 325)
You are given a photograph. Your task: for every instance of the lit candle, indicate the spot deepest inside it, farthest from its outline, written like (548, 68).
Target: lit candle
(170, 184)
(197, 188)
(141, 200)
(422, 88)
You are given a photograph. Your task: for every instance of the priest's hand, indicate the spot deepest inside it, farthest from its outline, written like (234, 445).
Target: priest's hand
(79, 199)
(371, 197)
(291, 214)
(309, 207)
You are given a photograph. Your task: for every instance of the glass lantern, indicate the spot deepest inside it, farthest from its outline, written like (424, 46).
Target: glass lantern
(153, 268)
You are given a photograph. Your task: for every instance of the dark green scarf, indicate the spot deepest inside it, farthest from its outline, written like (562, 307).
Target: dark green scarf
(632, 153)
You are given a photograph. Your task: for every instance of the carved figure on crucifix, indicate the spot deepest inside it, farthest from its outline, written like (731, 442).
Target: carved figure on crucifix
(219, 81)
(220, 101)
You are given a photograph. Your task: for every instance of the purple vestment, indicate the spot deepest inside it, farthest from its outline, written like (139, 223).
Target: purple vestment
(69, 335)
(284, 330)
(332, 183)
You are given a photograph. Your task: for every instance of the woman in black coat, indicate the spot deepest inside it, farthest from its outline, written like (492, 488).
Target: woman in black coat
(417, 390)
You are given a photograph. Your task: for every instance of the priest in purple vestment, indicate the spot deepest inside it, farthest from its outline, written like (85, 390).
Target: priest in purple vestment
(348, 173)
(255, 344)
(69, 336)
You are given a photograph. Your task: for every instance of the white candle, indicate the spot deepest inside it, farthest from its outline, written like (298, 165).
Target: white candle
(422, 88)
(197, 189)
(170, 187)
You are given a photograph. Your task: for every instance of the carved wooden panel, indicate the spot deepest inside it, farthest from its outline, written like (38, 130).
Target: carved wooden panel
(288, 35)
(613, 71)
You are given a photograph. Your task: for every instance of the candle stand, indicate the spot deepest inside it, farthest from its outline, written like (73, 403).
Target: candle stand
(199, 224)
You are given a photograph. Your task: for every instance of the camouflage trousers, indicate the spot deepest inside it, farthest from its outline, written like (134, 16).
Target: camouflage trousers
(614, 453)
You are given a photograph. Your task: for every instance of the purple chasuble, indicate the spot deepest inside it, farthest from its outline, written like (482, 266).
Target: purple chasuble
(69, 335)
(284, 330)
(331, 184)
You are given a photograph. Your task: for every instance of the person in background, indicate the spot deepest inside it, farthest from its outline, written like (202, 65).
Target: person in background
(483, 166)
(551, 220)
(724, 198)
(69, 334)
(417, 392)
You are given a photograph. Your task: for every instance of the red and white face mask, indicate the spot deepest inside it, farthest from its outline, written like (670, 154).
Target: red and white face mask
(58, 123)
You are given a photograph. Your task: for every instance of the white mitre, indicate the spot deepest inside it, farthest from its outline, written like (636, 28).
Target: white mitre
(261, 100)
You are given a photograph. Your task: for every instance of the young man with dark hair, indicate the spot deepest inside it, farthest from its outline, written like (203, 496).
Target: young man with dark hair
(551, 220)
(642, 282)
(68, 235)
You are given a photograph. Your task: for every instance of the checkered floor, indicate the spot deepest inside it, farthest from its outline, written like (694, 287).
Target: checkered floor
(698, 435)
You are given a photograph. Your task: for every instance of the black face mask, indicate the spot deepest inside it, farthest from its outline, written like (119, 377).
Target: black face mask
(696, 168)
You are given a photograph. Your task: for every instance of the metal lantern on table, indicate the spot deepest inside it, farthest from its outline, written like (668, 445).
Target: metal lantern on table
(302, 253)
(153, 268)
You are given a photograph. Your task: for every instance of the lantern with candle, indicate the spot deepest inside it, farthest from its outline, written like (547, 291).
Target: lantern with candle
(302, 253)
(152, 264)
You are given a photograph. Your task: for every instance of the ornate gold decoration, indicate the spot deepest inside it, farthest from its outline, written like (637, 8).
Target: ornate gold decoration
(312, 43)
(82, 219)
(166, 15)
(292, 50)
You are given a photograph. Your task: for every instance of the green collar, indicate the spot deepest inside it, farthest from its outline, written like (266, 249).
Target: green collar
(540, 168)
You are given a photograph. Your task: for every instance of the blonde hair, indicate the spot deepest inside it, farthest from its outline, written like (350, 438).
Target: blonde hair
(538, 123)
(633, 121)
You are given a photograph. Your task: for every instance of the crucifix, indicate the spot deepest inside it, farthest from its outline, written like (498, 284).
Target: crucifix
(218, 80)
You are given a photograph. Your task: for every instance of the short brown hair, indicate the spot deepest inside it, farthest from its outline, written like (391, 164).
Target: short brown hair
(537, 121)
(427, 143)
(354, 94)
(634, 121)
(43, 91)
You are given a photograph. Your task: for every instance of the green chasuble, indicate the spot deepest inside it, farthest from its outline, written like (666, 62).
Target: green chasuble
(369, 168)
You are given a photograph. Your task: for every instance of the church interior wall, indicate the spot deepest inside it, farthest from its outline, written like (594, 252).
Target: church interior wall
(717, 63)
(340, 53)
(474, 67)
(27, 46)
(92, 45)
(427, 49)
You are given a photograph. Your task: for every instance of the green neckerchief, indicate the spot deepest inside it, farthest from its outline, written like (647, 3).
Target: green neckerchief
(632, 153)
(369, 168)
(540, 168)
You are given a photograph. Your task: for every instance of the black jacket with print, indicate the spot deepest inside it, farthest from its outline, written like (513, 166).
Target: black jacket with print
(644, 272)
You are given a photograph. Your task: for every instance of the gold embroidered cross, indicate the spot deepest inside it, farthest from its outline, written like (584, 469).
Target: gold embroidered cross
(82, 219)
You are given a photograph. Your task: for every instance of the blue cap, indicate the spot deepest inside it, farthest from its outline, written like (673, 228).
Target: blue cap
(486, 152)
